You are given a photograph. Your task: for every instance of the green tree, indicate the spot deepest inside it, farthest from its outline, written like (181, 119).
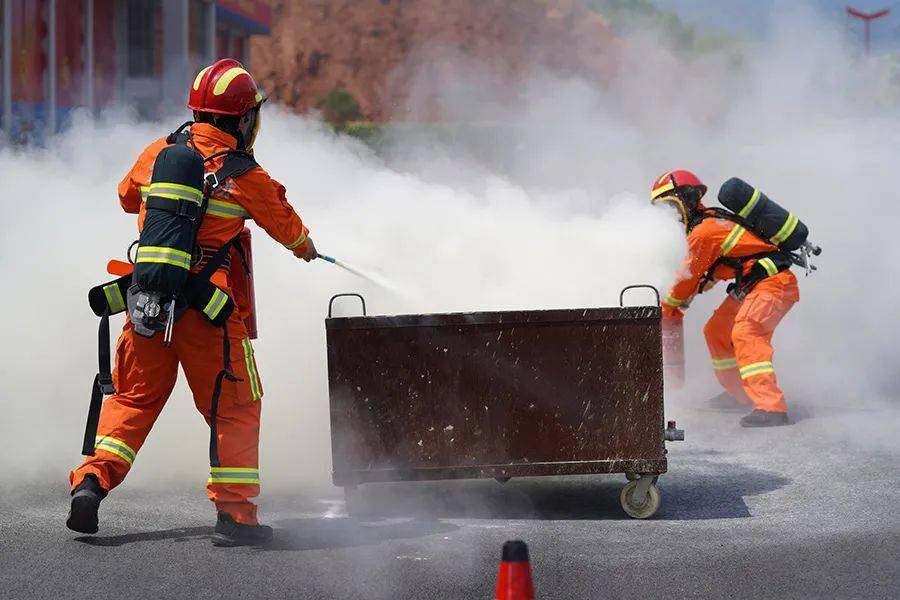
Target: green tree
(339, 107)
(628, 16)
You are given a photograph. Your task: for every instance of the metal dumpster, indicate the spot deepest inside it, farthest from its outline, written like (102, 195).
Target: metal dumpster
(500, 395)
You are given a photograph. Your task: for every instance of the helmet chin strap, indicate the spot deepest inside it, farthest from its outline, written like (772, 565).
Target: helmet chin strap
(249, 127)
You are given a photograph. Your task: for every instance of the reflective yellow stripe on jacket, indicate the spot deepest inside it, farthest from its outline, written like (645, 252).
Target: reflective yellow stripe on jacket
(226, 210)
(673, 301)
(734, 236)
(298, 241)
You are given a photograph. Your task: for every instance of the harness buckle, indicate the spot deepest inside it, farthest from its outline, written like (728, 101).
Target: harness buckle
(106, 385)
(188, 210)
(211, 180)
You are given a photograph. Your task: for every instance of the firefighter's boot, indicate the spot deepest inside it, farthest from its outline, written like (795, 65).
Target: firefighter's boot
(85, 502)
(231, 533)
(764, 418)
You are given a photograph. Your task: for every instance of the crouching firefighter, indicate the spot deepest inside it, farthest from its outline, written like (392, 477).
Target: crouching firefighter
(754, 243)
(192, 192)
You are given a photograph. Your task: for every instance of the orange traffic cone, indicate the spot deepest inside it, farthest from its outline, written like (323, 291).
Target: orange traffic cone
(514, 577)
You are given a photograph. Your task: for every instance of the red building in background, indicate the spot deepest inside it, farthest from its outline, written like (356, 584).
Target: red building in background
(58, 55)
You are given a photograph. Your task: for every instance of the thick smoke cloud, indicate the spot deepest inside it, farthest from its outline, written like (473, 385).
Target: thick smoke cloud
(551, 213)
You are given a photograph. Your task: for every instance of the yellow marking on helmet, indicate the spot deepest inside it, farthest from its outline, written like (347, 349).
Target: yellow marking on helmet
(226, 79)
(258, 97)
(200, 77)
(659, 191)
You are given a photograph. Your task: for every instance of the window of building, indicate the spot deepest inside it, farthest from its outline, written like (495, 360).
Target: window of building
(231, 43)
(198, 39)
(70, 53)
(144, 38)
(105, 51)
(3, 34)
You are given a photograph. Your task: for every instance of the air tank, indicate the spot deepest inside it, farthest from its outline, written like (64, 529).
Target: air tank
(765, 216)
(174, 201)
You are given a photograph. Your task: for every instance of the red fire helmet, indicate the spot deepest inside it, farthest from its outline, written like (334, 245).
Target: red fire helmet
(224, 88)
(674, 179)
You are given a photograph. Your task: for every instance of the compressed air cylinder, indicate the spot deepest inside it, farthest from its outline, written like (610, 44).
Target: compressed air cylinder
(765, 216)
(172, 211)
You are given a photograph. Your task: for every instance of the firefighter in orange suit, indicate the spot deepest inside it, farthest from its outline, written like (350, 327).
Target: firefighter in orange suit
(739, 334)
(226, 105)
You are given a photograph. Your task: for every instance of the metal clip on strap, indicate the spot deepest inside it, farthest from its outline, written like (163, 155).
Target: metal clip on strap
(106, 384)
(212, 181)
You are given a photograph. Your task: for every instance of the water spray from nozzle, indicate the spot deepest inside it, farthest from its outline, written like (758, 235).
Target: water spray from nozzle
(380, 282)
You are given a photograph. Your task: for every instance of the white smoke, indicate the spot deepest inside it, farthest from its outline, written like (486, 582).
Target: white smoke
(551, 214)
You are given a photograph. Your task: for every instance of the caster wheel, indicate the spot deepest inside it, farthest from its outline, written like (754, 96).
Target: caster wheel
(638, 509)
(632, 476)
(502, 479)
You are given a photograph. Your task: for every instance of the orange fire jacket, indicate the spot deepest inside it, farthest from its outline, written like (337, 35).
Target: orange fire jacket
(254, 195)
(711, 239)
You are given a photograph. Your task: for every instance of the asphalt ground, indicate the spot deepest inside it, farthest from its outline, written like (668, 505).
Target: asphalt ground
(806, 511)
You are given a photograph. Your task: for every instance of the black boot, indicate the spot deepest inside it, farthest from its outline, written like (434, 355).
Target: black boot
(231, 533)
(763, 418)
(85, 502)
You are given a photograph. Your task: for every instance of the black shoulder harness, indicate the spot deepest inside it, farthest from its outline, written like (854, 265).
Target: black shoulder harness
(741, 283)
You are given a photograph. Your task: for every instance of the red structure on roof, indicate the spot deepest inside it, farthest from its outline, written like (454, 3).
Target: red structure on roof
(59, 55)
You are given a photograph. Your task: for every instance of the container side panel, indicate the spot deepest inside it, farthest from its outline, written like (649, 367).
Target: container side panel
(464, 396)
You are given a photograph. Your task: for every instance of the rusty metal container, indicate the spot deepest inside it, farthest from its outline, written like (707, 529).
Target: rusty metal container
(498, 395)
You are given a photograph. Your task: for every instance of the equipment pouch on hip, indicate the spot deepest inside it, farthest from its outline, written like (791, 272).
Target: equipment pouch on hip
(109, 298)
(768, 266)
(206, 297)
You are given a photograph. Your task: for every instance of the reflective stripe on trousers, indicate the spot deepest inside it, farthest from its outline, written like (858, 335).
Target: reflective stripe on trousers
(245, 475)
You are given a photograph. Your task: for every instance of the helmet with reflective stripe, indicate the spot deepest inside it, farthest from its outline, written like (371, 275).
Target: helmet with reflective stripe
(682, 189)
(224, 88)
(671, 180)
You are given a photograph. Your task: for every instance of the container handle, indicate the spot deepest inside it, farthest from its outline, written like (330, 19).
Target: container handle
(336, 296)
(634, 287)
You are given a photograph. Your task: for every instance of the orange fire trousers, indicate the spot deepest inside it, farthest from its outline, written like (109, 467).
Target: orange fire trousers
(739, 337)
(144, 376)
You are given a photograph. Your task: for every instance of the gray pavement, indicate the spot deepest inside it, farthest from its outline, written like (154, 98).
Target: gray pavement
(806, 511)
